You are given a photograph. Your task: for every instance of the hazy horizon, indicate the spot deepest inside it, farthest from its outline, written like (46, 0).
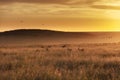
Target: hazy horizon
(56, 30)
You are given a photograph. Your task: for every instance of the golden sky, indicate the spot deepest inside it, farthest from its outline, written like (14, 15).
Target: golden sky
(63, 15)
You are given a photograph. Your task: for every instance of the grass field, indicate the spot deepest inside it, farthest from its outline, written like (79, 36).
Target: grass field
(60, 62)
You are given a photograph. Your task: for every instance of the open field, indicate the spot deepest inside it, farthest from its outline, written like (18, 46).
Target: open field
(60, 62)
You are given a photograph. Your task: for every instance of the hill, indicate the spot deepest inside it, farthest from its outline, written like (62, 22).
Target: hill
(35, 36)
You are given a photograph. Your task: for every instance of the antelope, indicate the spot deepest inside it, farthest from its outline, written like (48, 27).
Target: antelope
(82, 49)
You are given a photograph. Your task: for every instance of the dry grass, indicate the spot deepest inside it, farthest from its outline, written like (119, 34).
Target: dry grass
(60, 62)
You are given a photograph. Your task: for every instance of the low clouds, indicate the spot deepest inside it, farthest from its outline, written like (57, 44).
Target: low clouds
(63, 12)
(107, 4)
(59, 8)
(66, 2)
(36, 1)
(99, 4)
(111, 7)
(91, 3)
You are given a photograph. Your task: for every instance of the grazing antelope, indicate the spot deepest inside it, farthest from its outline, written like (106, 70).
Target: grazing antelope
(63, 46)
(47, 49)
(37, 50)
(49, 46)
(42, 46)
(82, 49)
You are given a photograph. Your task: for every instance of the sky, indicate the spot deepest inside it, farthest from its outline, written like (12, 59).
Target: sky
(61, 15)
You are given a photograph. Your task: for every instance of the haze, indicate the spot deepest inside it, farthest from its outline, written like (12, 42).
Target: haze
(62, 15)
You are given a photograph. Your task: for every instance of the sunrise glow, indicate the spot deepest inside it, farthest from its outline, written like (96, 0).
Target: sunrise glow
(63, 15)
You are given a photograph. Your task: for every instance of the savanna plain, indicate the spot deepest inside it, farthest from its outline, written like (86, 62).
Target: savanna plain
(61, 62)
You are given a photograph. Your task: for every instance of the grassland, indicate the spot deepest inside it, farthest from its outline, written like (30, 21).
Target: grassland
(60, 62)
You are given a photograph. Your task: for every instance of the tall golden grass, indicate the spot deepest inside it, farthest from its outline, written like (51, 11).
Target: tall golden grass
(60, 62)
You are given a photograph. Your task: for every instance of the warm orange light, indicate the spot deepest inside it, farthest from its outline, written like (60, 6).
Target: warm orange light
(83, 17)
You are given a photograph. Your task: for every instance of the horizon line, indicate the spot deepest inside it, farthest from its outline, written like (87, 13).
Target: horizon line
(57, 30)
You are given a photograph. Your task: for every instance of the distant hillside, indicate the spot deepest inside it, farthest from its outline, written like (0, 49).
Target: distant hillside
(35, 36)
(47, 33)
